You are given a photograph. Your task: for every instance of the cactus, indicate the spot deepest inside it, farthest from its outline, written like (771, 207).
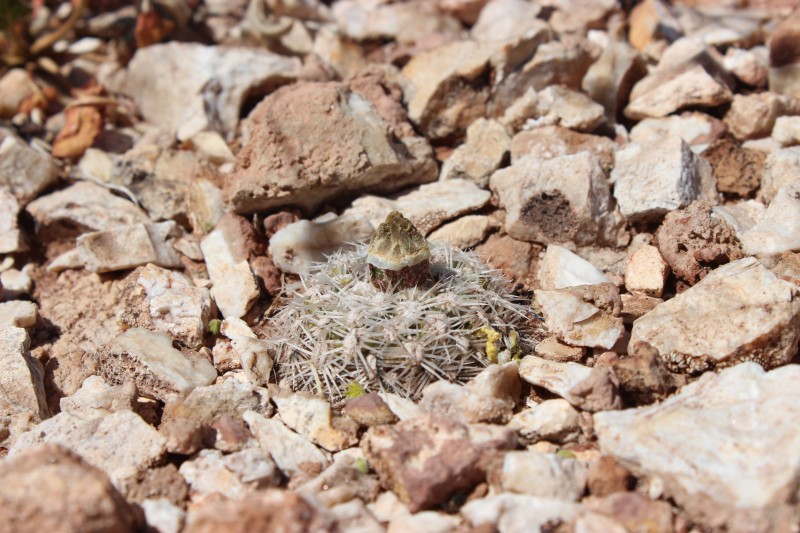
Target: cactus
(338, 329)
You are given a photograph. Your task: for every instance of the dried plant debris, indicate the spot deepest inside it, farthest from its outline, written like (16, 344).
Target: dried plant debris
(337, 328)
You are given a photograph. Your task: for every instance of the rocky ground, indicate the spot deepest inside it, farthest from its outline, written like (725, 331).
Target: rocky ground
(169, 170)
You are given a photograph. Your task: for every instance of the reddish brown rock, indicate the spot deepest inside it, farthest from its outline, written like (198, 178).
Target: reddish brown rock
(635, 511)
(277, 511)
(643, 378)
(517, 260)
(311, 142)
(369, 410)
(49, 488)
(606, 476)
(427, 460)
(737, 170)
(550, 142)
(694, 242)
(162, 482)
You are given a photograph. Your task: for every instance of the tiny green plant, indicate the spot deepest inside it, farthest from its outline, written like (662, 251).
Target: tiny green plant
(214, 325)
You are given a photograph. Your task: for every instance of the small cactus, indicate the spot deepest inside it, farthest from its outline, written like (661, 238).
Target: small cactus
(338, 328)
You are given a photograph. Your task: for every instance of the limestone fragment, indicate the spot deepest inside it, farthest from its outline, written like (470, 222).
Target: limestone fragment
(12, 238)
(484, 151)
(312, 418)
(18, 314)
(294, 454)
(519, 512)
(21, 381)
(559, 268)
(550, 142)
(646, 272)
(728, 473)
(697, 129)
(125, 247)
(96, 399)
(552, 420)
(784, 59)
(739, 312)
(233, 475)
(781, 168)
(778, 229)
(787, 130)
(24, 170)
(558, 200)
(464, 232)
(159, 371)
(542, 474)
(235, 289)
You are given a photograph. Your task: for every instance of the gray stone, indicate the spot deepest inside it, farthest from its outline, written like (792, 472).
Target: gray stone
(234, 287)
(484, 151)
(159, 371)
(464, 232)
(739, 312)
(294, 454)
(712, 445)
(24, 170)
(777, 230)
(552, 420)
(126, 247)
(781, 168)
(233, 475)
(12, 238)
(21, 381)
(312, 418)
(96, 399)
(542, 474)
(587, 315)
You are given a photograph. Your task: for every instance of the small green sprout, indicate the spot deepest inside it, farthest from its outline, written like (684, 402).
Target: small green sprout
(361, 465)
(213, 326)
(354, 389)
(565, 454)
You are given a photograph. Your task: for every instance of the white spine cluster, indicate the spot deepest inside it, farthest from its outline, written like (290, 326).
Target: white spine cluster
(336, 329)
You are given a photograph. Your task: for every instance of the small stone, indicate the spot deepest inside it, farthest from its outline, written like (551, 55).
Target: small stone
(552, 420)
(519, 512)
(505, 20)
(747, 65)
(609, 80)
(607, 476)
(261, 511)
(312, 418)
(158, 370)
(96, 399)
(587, 315)
(670, 90)
(255, 355)
(16, 86)
(369, 410)
(427, 206)
(752, 116)
(234, 475)
(212, 146)
(778, 229)
(551, 142)
(739, 312)
(12, 238)
(341, 482)
(210, 87)
(637, 305)
(293, 453)
(556, 106)
(235, 289)
(515, 259)
(167, 301)
(781, 168)
(558, 200)
(313, 142)
(426, 460)
(15, 284)
(559, 268)
(21, 381)
(784, 57)
(484, 151)
(24, 170)
(37, 497)
(787, 130)
(698, 130)
(164, 516)
(743, 405)
(556, 377)
(635, 511)
(646, 272)
(788, 268)
(643, 378)
(296, 246)
(126, 247)
(406, 23)
(651, 180)
(18, 314)
(541, 474)
(737, 170)
(552, 349)
(464, 232)
(121, 444)
(424, 521)
(489, 397)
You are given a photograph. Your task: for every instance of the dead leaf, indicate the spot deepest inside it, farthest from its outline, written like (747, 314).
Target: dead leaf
(151, 28)
(83, 125)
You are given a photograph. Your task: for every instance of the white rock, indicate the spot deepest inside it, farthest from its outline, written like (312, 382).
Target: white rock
(559, 268)
(552, 420)
(12, 238)
(555, 106)
(21, 379)
(578, 322)
(483, 152)
(652, 179)
(295, 247)
(464, 232)
(159, 371)
(18, 314)
(558, 378)
(211, 145)
(429, 521)
(207, 87)
(15, 86)
(544, 475)
(787, 130)
(403, 408)
(740, 311)
(741, 215)
(489, 397)
(163, 515)
(126, 247)
(235, 289)
(404, 22)
(518, 513)
(750, 66)
(255, 355)
(505, 20)
(292, 453)
(96, 399)
(233, 475)
(24, 170)
(121, 444)
(173, 303)
(427, 206)
(598, 523)
(697, 129)
(87, 206)
(354, 516)
(646, 272)
(714, 443)
(15, 283)
(558, 200)
(313, 419)
(778, 229)
(781, 168)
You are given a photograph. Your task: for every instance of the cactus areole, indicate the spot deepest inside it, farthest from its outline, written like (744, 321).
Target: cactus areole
(398, 255)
